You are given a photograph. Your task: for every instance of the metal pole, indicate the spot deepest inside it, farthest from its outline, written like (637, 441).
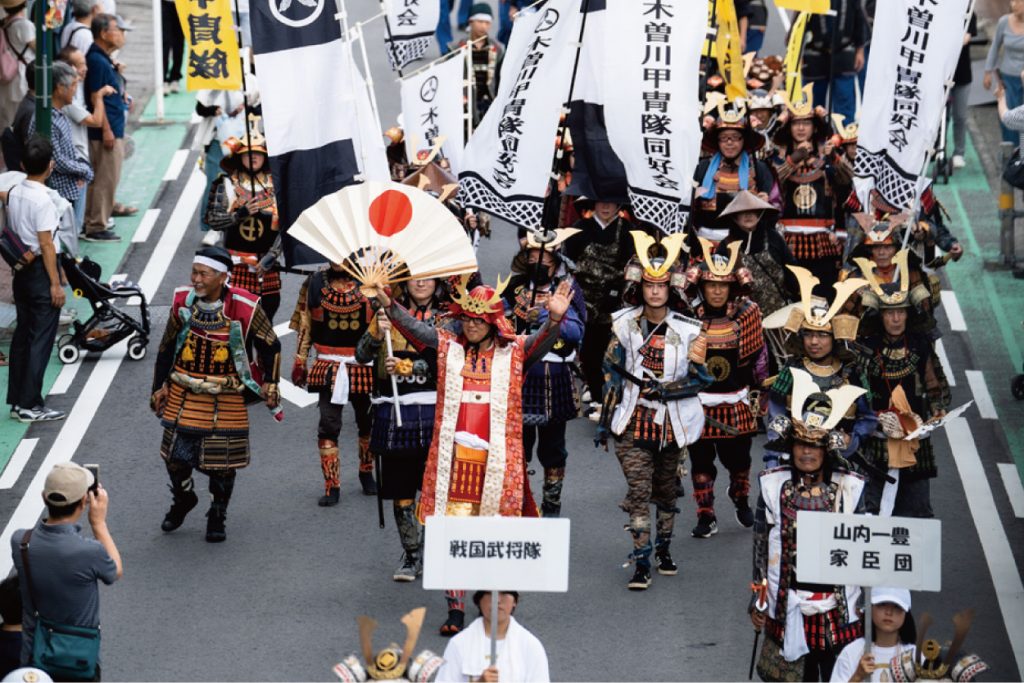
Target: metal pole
(495, 596)
(44, 57)
(245, 105)
(158, 59)
(1007, 211)
(868, 625)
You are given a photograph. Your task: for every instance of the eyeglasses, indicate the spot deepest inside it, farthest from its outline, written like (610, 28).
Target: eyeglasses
(468, 319)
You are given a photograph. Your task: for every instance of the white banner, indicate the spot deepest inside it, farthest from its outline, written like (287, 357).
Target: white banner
(507, 163)
(496, 553)
(651, 103)
(411, 24)
(915, 46)
(862, 550)
(432, 107)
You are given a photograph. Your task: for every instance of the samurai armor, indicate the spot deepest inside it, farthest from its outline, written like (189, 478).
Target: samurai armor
(549, 394)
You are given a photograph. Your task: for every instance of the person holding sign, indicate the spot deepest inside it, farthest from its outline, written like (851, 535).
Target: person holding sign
(806, 625)
(654, 368)
(520, 655)
(475, 464)
(894, 636)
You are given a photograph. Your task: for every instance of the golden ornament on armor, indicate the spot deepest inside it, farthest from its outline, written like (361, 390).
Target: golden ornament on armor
(718, 367)
(188, 354)
(805, 197)
(220, 355)
(251, 229)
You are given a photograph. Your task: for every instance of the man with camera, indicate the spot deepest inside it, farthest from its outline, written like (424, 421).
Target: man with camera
(58, 581)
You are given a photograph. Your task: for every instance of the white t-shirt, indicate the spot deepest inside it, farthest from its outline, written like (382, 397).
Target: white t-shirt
(76, 113)
(521, 655)
(78, 35)
(31, 211)
(849, 658)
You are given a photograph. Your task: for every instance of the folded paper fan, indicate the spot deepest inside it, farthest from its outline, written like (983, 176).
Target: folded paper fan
(384, 232)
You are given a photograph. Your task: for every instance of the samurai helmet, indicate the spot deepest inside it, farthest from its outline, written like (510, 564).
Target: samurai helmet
(392, 662)
(763, 99)
(718, 267)
(483, 303)
(803, 110)
(252, 141)
(879, 232)
(656, 268)
(762, 71)
(814, 414)
(936, 663)
(883, 295)
(433, 179)
(814, 313)
(548, 240)
(804, 107)
(847, 133)
(729, 115)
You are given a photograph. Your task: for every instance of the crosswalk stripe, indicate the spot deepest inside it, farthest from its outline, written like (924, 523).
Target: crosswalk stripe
(940, 349)
(1014, 488)
(22, 454)
(953, 312)
(982, 398)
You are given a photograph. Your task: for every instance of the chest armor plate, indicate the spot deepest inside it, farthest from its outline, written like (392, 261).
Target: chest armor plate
(256, 233)
(807, 194)
(206, 350)
(340, 318)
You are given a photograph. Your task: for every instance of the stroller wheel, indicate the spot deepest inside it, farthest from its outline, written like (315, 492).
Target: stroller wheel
(1017, 387)
(69, 353)
(136, 348)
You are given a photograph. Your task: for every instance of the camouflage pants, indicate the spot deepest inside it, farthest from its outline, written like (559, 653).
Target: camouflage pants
(651, 478)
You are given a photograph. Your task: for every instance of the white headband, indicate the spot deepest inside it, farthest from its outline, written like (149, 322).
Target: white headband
(482, 17)
(212, 263)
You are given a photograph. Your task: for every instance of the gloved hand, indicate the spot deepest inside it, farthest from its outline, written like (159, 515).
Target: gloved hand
(299, 373)
(601, 437)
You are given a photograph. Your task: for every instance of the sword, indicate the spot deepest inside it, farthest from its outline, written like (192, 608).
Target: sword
(761, 605)
(651, 383)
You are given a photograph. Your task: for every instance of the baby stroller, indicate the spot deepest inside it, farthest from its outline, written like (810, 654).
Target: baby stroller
(108, 324)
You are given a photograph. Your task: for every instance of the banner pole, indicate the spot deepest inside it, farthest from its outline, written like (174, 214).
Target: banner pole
(158, 59)
(868, 624)
(390, 40)
(495, 595)
(245, 98)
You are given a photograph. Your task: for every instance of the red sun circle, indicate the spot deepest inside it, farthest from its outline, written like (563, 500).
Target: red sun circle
(390, 213)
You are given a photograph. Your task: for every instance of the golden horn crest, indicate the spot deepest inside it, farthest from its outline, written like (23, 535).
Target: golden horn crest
(493, 304)
(413, 624)
(840, 399)
(715, 266)
(807, 281)
(846, 132)
(672, 244)
(805, 107)
(731, 113)
(867, 269)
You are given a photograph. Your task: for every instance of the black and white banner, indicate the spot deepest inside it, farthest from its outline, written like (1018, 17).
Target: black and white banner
(317, 114)
(650, 97)
(433, 106)
(507, 163)
(915, 46)
(411, 25)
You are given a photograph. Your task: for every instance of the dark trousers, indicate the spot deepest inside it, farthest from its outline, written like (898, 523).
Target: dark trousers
(33, 336)
(734, 454)
(330, 415)
(173, 42)
(550, 441)
(595, 342)
(818, 665)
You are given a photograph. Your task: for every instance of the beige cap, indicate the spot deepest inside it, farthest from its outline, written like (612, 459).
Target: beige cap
(67, 483)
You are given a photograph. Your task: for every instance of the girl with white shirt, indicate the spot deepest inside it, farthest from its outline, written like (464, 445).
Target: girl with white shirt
(894, 635)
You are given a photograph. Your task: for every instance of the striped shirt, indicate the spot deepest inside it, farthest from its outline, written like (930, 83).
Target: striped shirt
(69, 167)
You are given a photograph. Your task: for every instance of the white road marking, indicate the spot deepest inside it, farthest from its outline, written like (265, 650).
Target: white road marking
(994, 543)
(1014, 488)
(293, 394)
(81, 415)
(177, 163)
(953, 312)
(940, 350)
(282, 329)
(981, 396)
(64, 379)
(146, 225)
(175, 229)
(117, 277)
(17, 463)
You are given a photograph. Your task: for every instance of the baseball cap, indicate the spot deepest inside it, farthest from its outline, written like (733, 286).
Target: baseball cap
(67, 483)
(123, 23)
(897, 596)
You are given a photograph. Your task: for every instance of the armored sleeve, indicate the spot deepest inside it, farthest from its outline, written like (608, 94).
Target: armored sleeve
(418, 333)
(301, 322)
(538, 344)
(219, 215)
(165, 354)
(369, 346)
(761, 529)
(266, 345)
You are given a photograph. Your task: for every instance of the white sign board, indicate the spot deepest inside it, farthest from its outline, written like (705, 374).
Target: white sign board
(496, 553)
(862, 550)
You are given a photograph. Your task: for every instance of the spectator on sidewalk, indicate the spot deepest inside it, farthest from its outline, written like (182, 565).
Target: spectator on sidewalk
(10, 630)
(832, 62)
(521, 656)
(962, 79)
(38, 292)
(1010, 119)
(173, 46)
(106, 144)
(82, 119)
(71, 171)
(1006, 60)
(64, 566)
(20, 35)
(78, 32)
(26, 108)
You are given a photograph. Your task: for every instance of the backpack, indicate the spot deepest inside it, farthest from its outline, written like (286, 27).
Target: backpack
(12, 148)
(9, 58)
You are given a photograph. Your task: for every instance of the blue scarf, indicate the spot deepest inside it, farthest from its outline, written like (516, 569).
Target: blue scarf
(707, 185)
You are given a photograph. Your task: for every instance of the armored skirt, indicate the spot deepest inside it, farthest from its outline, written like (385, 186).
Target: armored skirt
(402, 451)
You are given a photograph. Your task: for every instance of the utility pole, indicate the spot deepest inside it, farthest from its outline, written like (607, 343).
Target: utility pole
(44, 56)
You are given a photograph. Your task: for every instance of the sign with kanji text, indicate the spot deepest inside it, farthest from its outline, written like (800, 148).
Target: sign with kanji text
(496, 553)
(213, 62)
(862, 550)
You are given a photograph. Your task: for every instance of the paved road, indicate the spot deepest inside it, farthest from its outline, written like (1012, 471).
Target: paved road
(279, 599)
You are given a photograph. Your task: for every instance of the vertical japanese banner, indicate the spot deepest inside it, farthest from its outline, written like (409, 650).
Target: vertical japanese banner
(432, 107)
(507, 163)
(911, 64)
(727, 50)
(213, 61)
(794, 53)
(411, 25)
(651, 102)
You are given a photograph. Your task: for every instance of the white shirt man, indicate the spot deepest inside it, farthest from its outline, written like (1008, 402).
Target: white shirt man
(30, 210)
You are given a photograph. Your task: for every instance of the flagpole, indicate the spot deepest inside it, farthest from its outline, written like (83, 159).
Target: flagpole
(342, 17)
(245, 99)
(451, 55)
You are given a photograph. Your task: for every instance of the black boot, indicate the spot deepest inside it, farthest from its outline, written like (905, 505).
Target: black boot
(641, 580)
(331, 498)
(369, 485)
(215, 519)
(184, 500)
(666, 566)
(455, 623)
(744, 515)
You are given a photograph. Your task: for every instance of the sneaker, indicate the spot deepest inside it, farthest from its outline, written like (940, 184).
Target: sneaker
(111, 223)
(14, 412)
(744, 515)
(706, 527)
(167, 88)
(37, 414)
(666, 566)
(331, 498)
(959, 161)
(211, 238)
(586, 396)
(594, 412)
(411, 568)
(641, 580)
(175, 86)
(67, 316)
(101, 236)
